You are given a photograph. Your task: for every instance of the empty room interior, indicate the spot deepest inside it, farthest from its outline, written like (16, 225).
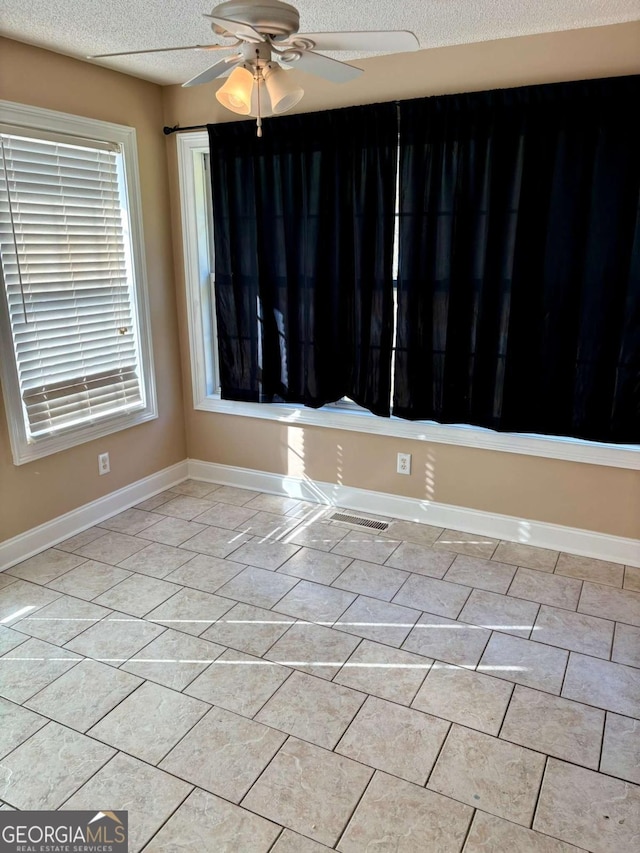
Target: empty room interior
(320, 426)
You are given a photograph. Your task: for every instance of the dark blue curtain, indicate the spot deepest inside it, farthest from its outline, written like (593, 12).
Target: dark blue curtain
(303, 231)
(519, 278)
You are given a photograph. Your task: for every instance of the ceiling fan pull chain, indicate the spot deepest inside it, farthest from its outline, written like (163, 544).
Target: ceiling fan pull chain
(257, 77)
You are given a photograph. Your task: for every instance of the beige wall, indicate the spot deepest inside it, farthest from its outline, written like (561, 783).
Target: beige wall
(579, 495)
(39, 491)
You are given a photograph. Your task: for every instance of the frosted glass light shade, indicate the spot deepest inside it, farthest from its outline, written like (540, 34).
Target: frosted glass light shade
(236, 93)
(284, 94)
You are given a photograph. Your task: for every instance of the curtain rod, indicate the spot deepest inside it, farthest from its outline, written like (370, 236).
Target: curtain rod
(169, 130)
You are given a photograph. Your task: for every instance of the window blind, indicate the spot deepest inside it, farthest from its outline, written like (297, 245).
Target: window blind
(65, 251)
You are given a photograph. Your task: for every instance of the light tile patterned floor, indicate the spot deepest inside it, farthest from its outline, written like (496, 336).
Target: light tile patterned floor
(245, 675)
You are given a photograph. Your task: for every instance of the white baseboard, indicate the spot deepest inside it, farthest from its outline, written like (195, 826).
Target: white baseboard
(27, 544)
(574, 540)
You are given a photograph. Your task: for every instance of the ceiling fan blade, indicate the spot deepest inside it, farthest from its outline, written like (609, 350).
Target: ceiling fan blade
(324, 66)
(166, 49)
(391, 41)
(218, 69)
(237, 28)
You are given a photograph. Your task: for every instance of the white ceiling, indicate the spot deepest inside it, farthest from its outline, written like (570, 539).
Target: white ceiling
(83, 27)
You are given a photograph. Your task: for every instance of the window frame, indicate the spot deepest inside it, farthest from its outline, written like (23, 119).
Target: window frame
(36, 119)
(342, 415)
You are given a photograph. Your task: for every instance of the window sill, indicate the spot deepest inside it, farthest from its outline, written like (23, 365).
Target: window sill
(568, 449)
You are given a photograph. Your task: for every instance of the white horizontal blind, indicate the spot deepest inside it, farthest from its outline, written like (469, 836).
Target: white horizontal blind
(66, 263)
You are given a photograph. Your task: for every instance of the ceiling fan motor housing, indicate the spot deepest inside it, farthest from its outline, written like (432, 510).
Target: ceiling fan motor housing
(269, 17)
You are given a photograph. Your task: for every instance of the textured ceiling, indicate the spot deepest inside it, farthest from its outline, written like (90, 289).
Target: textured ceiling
(82, 27)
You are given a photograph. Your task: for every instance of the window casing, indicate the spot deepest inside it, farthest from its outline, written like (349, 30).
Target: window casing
(195, 201)
(76, 348)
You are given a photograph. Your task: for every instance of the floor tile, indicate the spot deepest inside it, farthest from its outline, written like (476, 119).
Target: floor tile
(626, 645)
(611, 686)
(590, 569)
(20, 598)
(29, 667)
(313, 648)
(309, 790)
(268, 525)
(216, 542)
(491, 834)
(447, 640)
(378, 620)
(249, 629)
(465, 697)
(115, 639)
(623, 605)
(131, 521)
(319, 535)
(632, 578)
(558, 727)
(149, 722)
(315, 602)
(149, 795)
(224, 753)
(238, 682)
(172, 531)
(479, 573)
(519, 554)
(186, 507)
(156, 560)
(394, 739)
(473, 544)
(312, 709)
(46, 769)
(366, 546)
(46, 566)
(173, 659)
(234, 495)
(422, 561)
(434, 596)
(489, 774)
(291, 842)
(6, 579)
(84, 694)
(588, 809)
(500, 613)
(195, 488)
(546, 589)
(371, 579)
(205, 573)
(316, 566)
(190, 611)
(384, 671)
(137, 595)
(277, 504)
(226, 515)
(80, 539)
(205, 822)
(395, 815)
(525, 662)
(154, 503)
(112, 547)
(574, 631)
(61, 620)
(16, 725)
(412, 531)
(10, 639)
(89, 580)
(258, 587)
(621, 748)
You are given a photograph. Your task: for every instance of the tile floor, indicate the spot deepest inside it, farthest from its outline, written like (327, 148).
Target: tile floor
(243, 674)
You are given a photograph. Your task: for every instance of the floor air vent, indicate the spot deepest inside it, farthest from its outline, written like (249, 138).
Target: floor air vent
(359, 520)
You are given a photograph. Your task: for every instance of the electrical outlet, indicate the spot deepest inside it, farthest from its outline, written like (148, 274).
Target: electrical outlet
(404, 463)
(103, 464)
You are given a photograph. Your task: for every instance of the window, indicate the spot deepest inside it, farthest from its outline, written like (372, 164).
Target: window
(76, 346)
(198, 263)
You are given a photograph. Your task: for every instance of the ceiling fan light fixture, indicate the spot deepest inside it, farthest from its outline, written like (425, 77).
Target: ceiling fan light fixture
(283, 92)
(236, 94)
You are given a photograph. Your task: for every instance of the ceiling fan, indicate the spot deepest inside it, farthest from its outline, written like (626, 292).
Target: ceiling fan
(263, 40)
